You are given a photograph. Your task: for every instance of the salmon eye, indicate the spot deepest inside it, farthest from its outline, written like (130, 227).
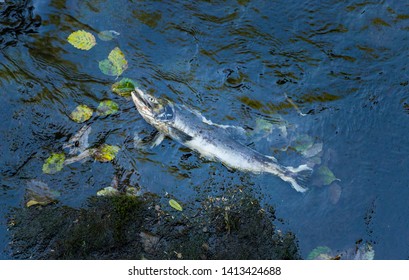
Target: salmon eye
(151, 99)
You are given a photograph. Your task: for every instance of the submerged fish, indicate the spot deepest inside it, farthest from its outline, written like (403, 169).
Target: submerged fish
(210, 140)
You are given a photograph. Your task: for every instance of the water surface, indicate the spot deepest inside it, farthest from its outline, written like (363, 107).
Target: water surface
(344, 65)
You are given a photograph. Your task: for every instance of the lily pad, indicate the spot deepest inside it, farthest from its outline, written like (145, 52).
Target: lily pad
(175, 205)
(320, 253)
(106, 153)
(82, 40)
(108, 191)
(81, 113)
(54, 163)
(124, 87)
(107, 107)
(116, 63)
(324, 176)
(108, 35)
(38, 193)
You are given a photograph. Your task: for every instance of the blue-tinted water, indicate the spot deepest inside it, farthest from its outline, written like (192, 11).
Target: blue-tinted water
(344, 64)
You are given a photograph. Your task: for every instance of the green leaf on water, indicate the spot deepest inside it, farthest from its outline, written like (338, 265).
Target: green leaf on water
(303, 143)
(107, 107)
(124, 87)
(108, 35)
(320, 253)
(175, 205)
(106, 153)
(108, 68)
(82, 40)
(325, 176)
(116, 63)
(81, 113)
(54, 163)
(117, 57)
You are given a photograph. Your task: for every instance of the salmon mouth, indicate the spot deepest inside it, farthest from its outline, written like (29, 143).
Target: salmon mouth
(143, 106)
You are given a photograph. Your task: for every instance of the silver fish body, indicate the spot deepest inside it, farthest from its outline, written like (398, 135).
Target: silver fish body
(210, 140)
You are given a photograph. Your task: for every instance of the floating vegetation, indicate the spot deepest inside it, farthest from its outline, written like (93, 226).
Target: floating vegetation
(107, 107)
(320, 253)
(81, 113)
(124, 87)
(359, 252)
(303, 143)
(108, 35)
(307, 147)
(38, 193)
(82, 40)
(54, 163)
(263, 125)
(313, 150)
(132, 191)
(105, 153)
(108, 191)
(116, 63)
(175, 205)
(324, 176)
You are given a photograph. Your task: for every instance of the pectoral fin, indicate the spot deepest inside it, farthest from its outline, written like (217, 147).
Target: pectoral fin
(157, 139)
(179, 135)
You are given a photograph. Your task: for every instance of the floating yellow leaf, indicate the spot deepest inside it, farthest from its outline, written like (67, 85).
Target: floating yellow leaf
(116, 63)
(175, 205)
(81, 113)
(54, 163)
(106, 153)
(117, 57)
(107, 107)
(82, 40)
(31, 203)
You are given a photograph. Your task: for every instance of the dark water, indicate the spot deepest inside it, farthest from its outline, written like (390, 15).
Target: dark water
(343, 63)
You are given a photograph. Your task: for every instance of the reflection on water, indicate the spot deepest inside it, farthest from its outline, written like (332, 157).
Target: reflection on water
(245, 63)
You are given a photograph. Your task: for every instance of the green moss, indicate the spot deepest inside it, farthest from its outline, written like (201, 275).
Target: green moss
(112, 227)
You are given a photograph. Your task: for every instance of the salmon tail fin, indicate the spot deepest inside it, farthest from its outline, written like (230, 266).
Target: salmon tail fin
(298, 177)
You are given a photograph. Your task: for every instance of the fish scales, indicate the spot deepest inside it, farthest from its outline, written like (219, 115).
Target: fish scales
(210, 140)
